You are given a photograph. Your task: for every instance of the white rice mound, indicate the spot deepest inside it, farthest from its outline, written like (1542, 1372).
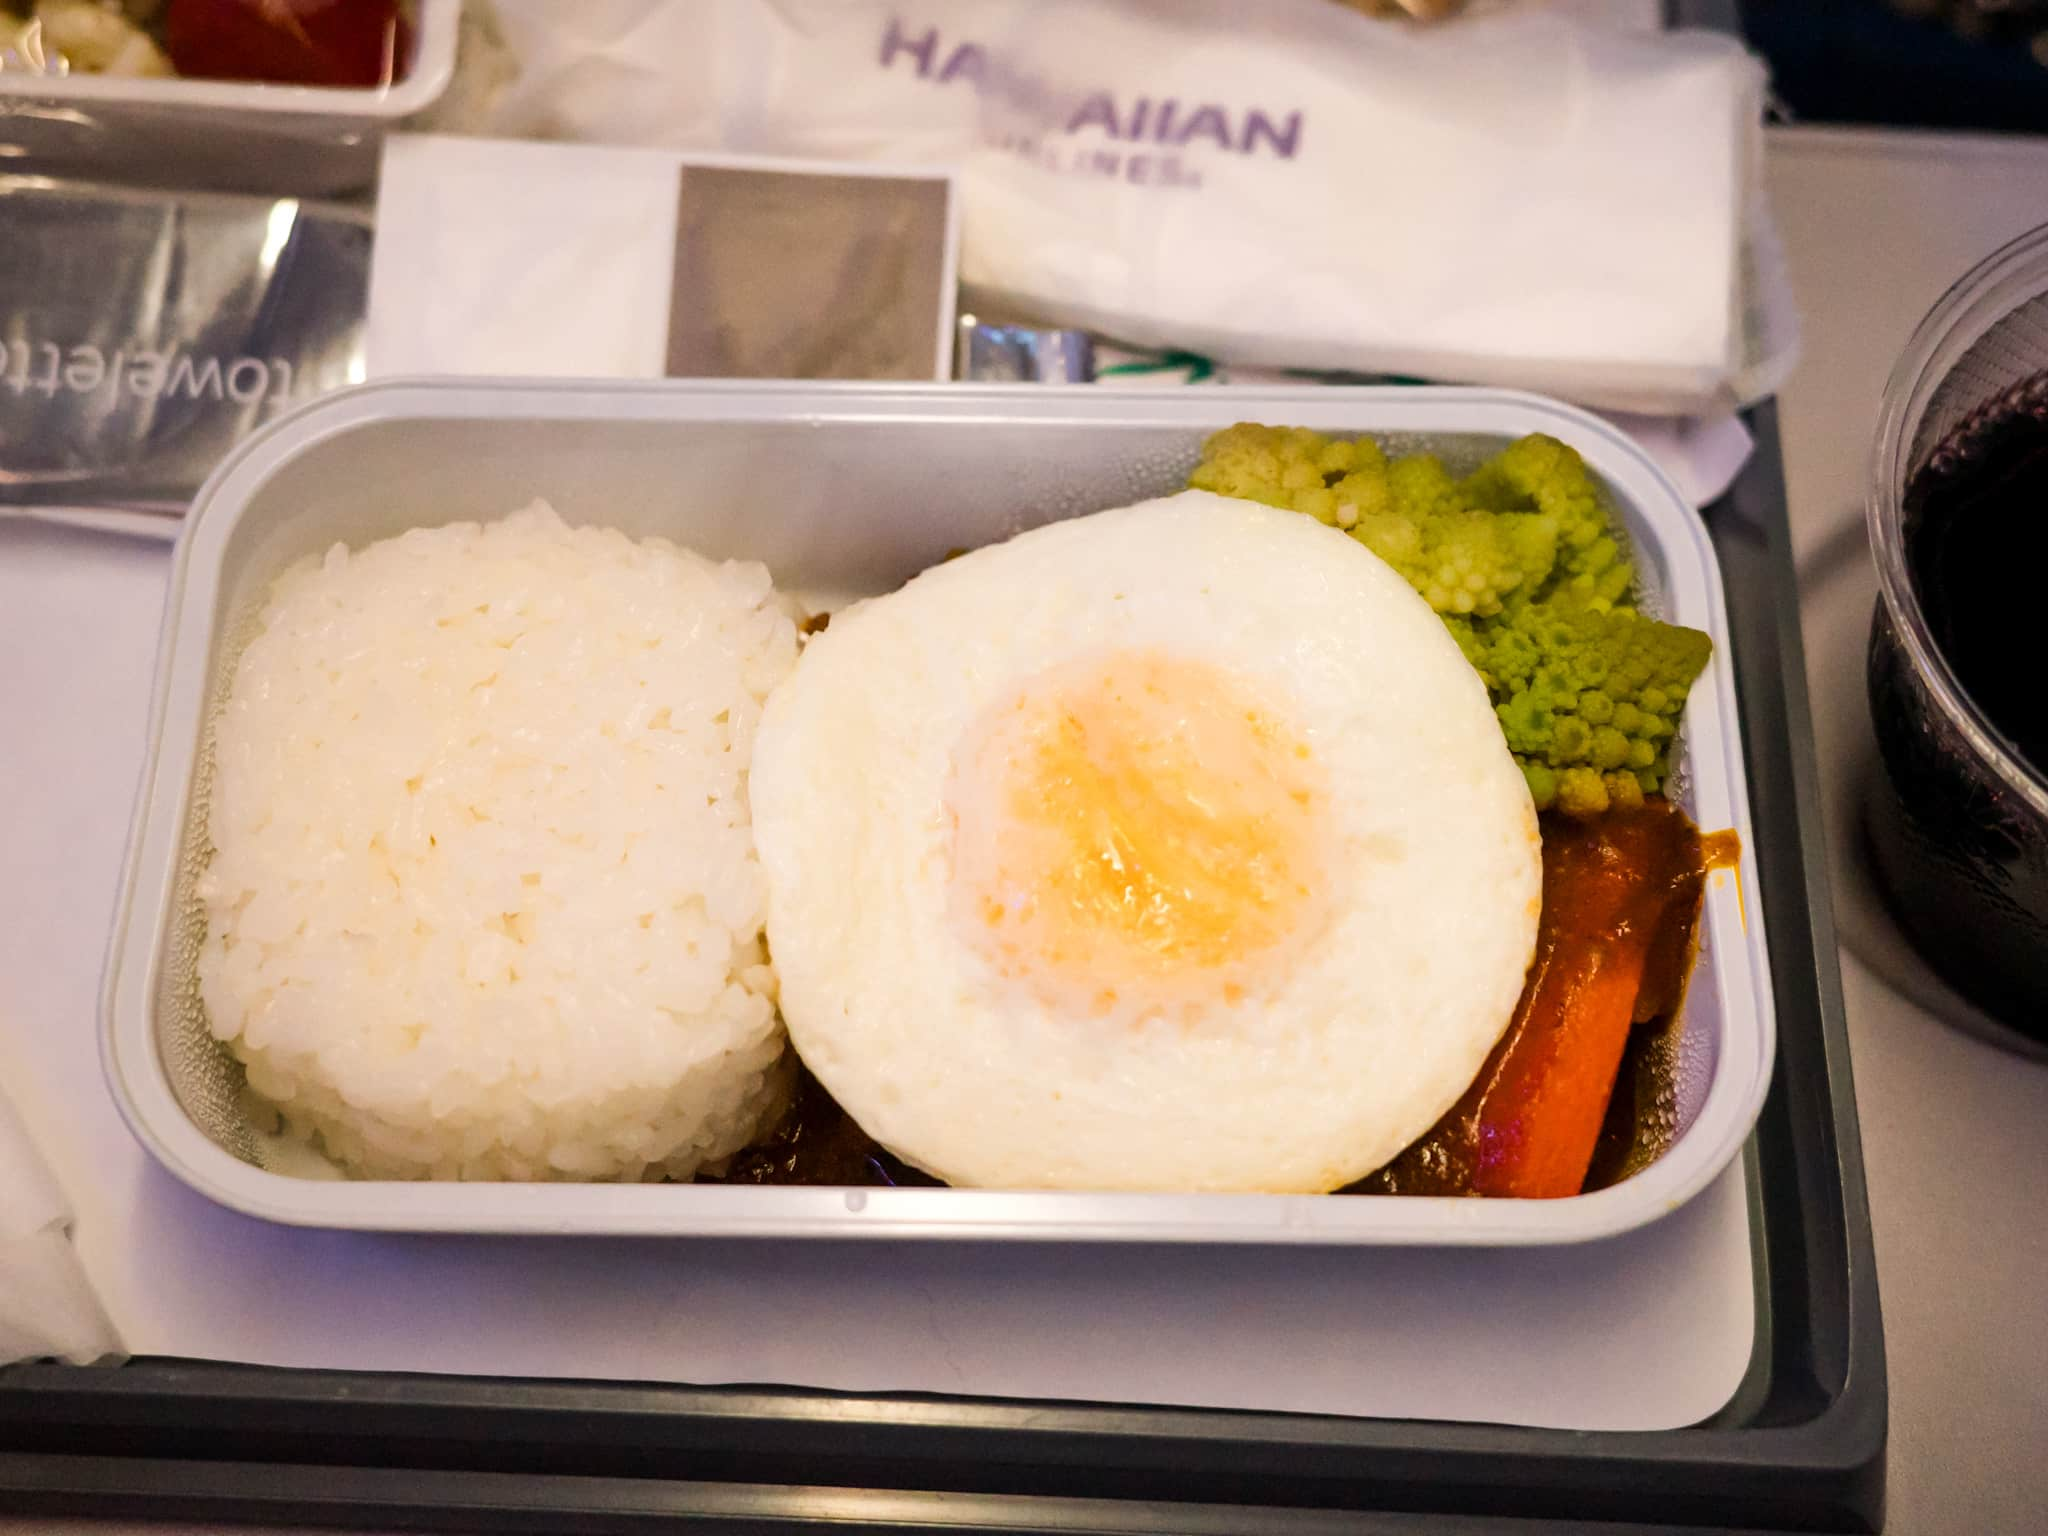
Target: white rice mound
(483, 901)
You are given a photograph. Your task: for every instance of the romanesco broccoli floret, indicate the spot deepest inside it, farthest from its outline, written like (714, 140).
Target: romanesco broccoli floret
(1589, 697)
(1542, 475)
(1463, 560)
(1532, 580)
(1289, 467)
(1415, 519)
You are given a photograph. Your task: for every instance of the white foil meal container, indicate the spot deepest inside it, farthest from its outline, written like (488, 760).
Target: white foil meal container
(842, 490)
(221, 135)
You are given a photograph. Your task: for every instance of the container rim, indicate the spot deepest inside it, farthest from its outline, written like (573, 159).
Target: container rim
(432, 67)
(1973, 305)
(137, 1076)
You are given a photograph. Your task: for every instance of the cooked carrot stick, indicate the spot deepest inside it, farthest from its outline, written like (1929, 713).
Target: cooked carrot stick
(1608, 889)
(1619, 898)
(1541, 1113)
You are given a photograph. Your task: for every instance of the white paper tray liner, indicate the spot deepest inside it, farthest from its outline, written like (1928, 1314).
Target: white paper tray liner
(1647, 1331)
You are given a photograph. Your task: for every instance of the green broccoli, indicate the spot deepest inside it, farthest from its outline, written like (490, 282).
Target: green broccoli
(1531, 578)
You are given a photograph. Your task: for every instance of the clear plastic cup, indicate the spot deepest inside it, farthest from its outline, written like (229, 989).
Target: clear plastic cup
(1958, 819)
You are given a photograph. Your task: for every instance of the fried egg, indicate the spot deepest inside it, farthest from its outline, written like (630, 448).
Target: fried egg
(1170, 848)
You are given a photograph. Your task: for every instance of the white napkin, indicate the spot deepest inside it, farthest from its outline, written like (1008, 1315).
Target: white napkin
(1701, 454)
(47, 1307)
(500, 258)
(521, 260)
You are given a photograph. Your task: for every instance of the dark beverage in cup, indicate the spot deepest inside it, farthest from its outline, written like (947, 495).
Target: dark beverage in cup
(1958, 820)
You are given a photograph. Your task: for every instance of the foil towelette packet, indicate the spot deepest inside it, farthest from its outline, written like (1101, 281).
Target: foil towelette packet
(144, 333)
(989, 352)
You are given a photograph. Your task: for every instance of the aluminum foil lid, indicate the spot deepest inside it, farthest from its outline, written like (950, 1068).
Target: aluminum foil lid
(142, 334)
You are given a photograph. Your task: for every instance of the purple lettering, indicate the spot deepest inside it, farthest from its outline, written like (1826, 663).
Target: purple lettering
(1098, 111)
(1208, 122)
(1138, 169)
(968, 62)
(1140, 110)
(1285, 140)
(1105, 162)
(922, 49)
(1033, 96)
(1163, 130)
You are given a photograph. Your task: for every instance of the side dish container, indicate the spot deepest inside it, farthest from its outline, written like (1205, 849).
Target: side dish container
(227, 135)
(842, 491)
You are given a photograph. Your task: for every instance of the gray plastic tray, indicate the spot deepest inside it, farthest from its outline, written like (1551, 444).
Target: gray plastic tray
(1800, 1446)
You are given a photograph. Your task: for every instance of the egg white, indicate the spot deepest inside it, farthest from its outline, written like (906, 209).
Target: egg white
(1337, 1055)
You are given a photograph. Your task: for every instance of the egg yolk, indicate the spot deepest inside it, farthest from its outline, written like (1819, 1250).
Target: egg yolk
(1137, 833)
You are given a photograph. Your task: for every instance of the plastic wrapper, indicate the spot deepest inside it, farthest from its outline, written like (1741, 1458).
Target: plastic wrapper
(1519, 198)
(281, 96)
